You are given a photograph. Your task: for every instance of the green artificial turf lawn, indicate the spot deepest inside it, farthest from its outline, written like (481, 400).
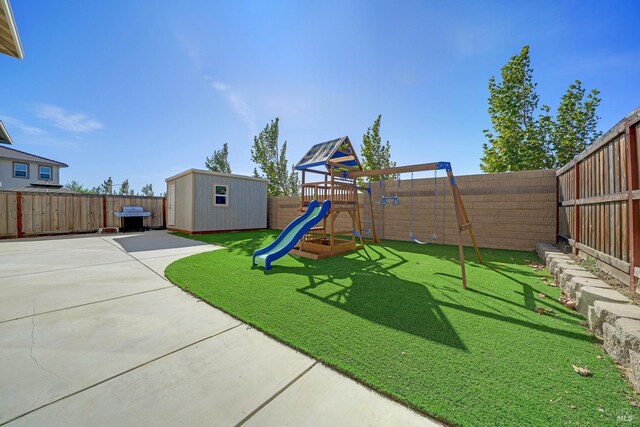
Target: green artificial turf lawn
(395, 317)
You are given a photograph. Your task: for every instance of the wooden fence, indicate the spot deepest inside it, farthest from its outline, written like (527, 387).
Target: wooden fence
(35, 214)
(598, 195)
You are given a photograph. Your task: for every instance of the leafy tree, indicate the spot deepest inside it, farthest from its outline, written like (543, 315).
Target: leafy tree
(272, 162)
(219, 162)
(576, 123)
(375, 154)
(124, 189)
(106, 187)
(545, 127)
(74, 185)
(147, 190)
(516, 142)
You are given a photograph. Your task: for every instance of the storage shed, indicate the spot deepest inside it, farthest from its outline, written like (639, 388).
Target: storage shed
(199, 201)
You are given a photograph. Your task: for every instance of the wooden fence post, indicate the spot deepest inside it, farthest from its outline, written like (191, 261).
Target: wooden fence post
(633, 205)
(104, 211)
(557, 209)
(576, 209)
(164, 212)
(19, 213)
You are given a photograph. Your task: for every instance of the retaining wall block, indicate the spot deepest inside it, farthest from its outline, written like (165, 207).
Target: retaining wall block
(556, 267)
(570, 287)
(588, 295)
(543, 248)
(622, 338)
(634, 369)
(559, 263)
(614, 345)
(570, 273)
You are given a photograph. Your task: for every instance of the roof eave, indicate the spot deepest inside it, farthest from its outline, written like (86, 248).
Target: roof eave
(13, 30)
(5, 138)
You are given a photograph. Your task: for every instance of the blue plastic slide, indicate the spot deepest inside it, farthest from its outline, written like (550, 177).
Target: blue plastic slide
(292, 234)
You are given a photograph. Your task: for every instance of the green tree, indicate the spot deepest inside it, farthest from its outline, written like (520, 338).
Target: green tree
(375, 154)
(272, 161)
(106, 187)
(576, 123)
(516, 142)
(147, 190)
(125, 190)
(542, 156)
(219, 162)
(74, 185)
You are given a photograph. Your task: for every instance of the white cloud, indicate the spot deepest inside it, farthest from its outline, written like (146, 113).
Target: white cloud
(22, 126)
(66, 120)
(220, 87)
(238, 104)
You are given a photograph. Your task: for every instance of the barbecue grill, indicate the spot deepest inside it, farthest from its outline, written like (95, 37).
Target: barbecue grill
(131, 218)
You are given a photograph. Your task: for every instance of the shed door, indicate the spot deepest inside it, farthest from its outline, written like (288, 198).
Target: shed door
(171, 195)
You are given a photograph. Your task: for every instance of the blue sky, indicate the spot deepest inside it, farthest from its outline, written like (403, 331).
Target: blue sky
(146, 89)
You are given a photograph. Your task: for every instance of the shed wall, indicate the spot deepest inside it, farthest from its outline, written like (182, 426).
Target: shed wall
(247, 204)
(184, 202)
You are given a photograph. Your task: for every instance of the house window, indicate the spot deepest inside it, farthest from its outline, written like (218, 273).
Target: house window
(44, 173)
(220, 196)
(20, 170)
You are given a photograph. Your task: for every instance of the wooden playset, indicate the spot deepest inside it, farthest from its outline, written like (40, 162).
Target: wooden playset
(336, 162)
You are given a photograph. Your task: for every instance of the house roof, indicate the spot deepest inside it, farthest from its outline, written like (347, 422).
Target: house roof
(5, 138)
(9, 38)
(329, 154)
(10, 153)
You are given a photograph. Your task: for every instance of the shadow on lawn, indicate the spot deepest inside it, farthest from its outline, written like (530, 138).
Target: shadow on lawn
(450, 253)
(376, 294)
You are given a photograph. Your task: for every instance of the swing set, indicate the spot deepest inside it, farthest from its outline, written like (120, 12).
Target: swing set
(342, 169)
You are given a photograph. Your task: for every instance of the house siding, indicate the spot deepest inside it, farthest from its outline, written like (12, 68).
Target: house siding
(11, 183)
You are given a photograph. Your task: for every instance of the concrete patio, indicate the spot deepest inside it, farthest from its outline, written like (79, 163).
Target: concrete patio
(91, 333)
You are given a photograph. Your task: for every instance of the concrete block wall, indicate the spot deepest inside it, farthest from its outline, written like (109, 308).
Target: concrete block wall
(512, 210)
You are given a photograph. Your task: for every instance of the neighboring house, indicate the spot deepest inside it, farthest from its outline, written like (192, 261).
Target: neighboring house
(25, 171)
(19, 170)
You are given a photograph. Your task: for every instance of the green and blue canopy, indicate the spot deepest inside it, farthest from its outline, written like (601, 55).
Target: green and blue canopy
(329, 153)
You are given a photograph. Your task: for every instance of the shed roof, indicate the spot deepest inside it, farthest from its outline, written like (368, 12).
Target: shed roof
(9, 38)
(206, 172)
(10, 153)
(329, 154)
(5, 138)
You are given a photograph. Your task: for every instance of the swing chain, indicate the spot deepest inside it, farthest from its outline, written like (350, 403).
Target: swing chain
(435, 211)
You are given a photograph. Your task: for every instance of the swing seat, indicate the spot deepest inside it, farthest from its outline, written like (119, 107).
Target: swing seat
(394, 201)
(365, 233)
(415, 239)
